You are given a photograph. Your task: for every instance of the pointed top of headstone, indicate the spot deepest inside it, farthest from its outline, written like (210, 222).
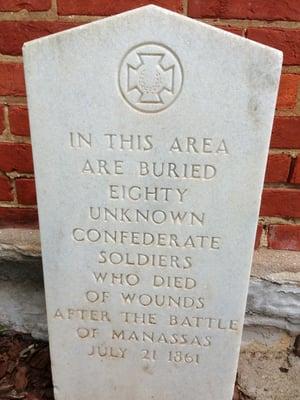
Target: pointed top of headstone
(153, 15)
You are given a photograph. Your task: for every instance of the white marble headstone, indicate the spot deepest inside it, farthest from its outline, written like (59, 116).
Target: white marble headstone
(150, 135)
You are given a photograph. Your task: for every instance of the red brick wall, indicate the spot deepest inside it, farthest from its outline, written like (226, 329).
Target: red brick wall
(273, 22)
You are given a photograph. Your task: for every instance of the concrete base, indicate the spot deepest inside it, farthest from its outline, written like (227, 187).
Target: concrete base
(268, 367)
(273, 299)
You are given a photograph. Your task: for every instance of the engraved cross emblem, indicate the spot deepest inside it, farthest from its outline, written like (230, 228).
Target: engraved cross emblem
(150, 78)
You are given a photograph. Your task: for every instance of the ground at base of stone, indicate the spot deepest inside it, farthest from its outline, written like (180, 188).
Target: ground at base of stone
(25, 368)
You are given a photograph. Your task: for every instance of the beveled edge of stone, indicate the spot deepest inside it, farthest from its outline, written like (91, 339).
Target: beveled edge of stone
(19, 245)
(277, 266)
(151, 10)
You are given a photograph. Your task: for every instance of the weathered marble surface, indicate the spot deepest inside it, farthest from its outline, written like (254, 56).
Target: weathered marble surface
(190, 96)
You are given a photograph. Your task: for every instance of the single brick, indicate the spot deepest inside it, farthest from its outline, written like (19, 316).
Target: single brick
(284, 237)
(25, 189)
(12, 82)
(1, 119)
(270, 10)
(286, 40)
(286, 133)
(13, 34)
(278, 168)
(18, 120)
(258, 236)
(14, 217)
(288, 89)
(5, 189)
(107, 7)
(29, 5)
(16, 157)
(280, 203)
(296, 172)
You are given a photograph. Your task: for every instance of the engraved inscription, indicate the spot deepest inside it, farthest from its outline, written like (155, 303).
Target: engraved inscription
(145, 282)
(150, 77)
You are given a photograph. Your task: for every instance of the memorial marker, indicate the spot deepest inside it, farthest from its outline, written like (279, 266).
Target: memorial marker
(150, 135)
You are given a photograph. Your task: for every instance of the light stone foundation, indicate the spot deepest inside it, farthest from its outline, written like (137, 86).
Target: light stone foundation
(269, 369)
